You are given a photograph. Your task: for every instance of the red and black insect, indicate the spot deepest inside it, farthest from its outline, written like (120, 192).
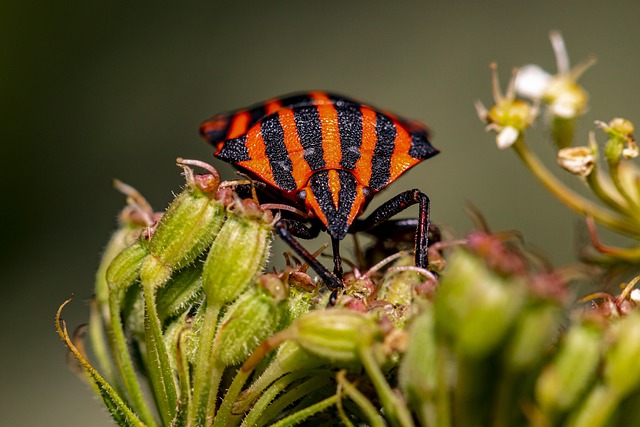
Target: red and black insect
(327, 155)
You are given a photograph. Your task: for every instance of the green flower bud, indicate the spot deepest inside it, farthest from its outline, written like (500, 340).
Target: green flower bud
(186, 229)
(124, 270)
(534, 331)
(237, 255)
(475, 305)
(181, 292)
(574, 367)
(126, 235)
(622, 370)
(397, 286)
(252, 318)
(621, 143)
(297, 304)
(418, 370)
(335, 334)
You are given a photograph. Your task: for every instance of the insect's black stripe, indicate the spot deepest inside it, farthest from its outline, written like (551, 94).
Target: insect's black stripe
(421, 148)
(337, 219)
(341, 101)
(276, 151)
(347, 196)
(350, 129)
(220, 134)
(297, 100)
(381, 161)
(234, 150)
(256, 114)
(309, 130)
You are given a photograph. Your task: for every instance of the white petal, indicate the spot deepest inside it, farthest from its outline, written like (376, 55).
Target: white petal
(532, 81)
(564, 110)
(506, 137)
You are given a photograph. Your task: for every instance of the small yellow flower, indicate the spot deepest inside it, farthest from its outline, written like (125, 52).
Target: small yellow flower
(561, 92)
(509, 116)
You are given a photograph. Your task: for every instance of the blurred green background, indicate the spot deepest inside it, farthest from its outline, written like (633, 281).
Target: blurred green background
(96, 90)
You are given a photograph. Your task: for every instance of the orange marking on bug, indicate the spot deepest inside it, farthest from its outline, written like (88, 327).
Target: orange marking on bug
(358, 204)
(239, 124)
(334, 186)
(320, 98)
(259, 163)
(301, 171)
(330, 132)
(313, 206)
(216, 123)
(272, 106)
(363, 167)
(400, 159)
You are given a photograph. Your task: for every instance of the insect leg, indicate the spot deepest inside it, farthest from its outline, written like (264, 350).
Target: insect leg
(337, 260)
(396, 205)
(287, 229)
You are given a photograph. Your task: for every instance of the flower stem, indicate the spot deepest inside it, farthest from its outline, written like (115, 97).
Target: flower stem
(395, 409)
(614, 172)
(204, 366)
(270, 394)
(363, 403)
(574, 201)
(594, 182)
(160, 369)
(297, 417)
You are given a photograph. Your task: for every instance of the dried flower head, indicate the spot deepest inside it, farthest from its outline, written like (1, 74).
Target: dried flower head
(577, 160)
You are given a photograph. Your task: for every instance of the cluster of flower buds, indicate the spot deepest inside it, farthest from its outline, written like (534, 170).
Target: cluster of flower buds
(189, 317)
(182, 304)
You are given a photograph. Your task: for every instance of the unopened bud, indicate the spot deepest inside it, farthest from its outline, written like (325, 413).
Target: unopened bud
(418, 370)
(566, 379)
(534, 331)
(621, 142)
(335, 334)
(182, 291)
(185, 231)
(236, 256)
(124, 270)
(475, 305)
(252, 318)
(622, 370)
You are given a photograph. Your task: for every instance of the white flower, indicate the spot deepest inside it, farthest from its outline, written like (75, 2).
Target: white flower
(506, 137)
(564, 97)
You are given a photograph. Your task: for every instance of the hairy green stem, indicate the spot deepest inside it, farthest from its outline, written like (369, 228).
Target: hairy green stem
(204, 367)
(395, 409)
(363, 403)
(270, 394)
(124, 364)
(296, 418)
(160, 369)
(304, 389)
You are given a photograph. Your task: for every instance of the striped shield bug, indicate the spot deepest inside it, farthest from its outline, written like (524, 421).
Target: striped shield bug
(327, 155)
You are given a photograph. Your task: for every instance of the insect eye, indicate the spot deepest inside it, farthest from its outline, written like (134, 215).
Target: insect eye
(302, 195)
(366, 191)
